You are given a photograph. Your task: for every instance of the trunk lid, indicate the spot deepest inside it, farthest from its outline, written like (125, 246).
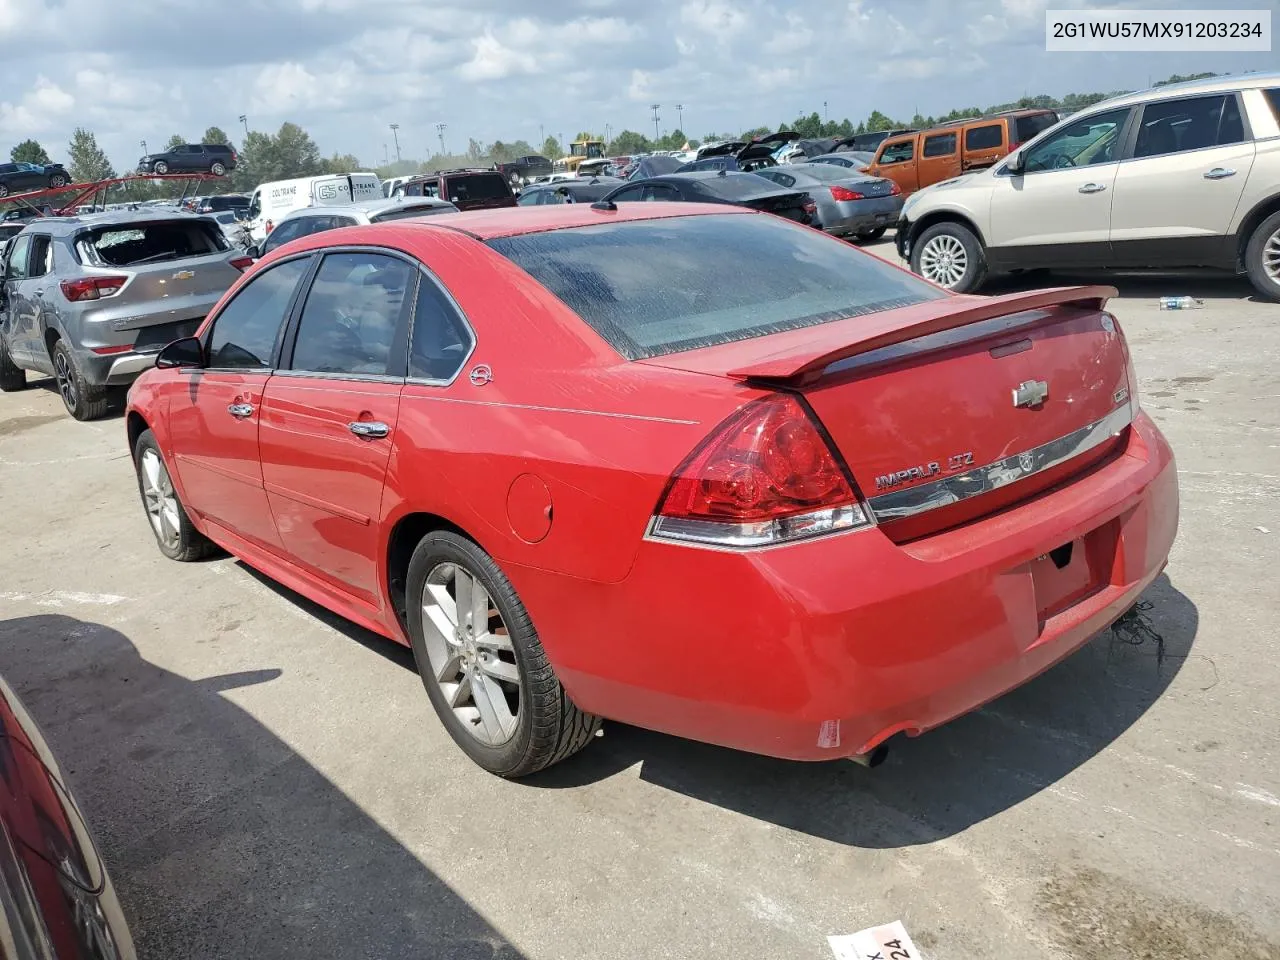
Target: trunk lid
(789, 205)
(934, 407)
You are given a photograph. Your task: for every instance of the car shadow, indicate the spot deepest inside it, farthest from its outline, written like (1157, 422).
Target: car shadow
(116, 396)
(222, 841)
(1151, 286)
(941, 783)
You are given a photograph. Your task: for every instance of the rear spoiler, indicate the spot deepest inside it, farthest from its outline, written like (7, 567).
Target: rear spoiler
(806, 360)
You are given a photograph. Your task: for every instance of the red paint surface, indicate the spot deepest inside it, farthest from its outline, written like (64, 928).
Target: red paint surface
(750, 649)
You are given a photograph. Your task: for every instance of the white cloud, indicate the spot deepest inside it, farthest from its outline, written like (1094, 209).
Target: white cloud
(494, 61)
(714, 16)
(40, 109)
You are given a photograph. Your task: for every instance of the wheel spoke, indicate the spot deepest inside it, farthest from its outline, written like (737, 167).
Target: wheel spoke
(450, 668)
(151, 468)
(495, 641)
(495, 715)
(500, 669)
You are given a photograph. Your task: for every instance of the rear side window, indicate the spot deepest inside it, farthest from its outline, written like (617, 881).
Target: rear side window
(40, 262)
(1273, 98)
(479, 186)
(1027, 127)
(245, 333)
(656, 287)
(985, 137)
(940, 145)
(136, 244)
(440, 341)
(1174, 126)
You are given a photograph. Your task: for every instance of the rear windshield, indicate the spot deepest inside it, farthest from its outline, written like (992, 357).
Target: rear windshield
(401, 213)
(655, 287)
(123, 245)
(739, 186)
(479, 186)
(1028, 127)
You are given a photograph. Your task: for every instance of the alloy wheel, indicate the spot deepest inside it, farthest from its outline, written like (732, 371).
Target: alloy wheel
(944, 260)
(471, 656)
(160, 499)
(66, 379)
(1271, 257)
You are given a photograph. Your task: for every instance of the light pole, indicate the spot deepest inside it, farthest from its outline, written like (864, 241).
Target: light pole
(144, 147)
(825, 116)
(395, 132)
(680, 116)
(440, 130)
(245, 120)
(654, 107)
(541, 135)
(386, 156)
(608, 135)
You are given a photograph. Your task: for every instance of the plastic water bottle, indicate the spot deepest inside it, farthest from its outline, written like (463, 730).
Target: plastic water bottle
(1180, 303)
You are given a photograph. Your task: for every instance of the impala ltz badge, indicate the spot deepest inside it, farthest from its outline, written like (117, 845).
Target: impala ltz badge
(1030, 393)
(480, 375)
(930, 469)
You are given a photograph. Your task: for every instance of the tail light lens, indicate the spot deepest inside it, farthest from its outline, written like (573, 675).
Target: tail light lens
(844, 193)
(895, 190)
(270, 226)
(765, 476)
(810, 207)
(1131, 372)
(92, 288)
(242, 263)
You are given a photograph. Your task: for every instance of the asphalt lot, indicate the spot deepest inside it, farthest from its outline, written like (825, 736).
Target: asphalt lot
(268, 781)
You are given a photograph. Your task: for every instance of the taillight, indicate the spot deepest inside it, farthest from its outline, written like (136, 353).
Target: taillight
(92, 288)
(1014, 146)
(765, 476)
(810, 207)
(270, 226)
(895, 190)
(242, 263)
(108, 351)
(1131, 372)
(844, 193)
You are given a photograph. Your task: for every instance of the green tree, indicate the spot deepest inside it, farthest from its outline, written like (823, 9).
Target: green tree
(29, 151)
(216, 135)
(587, 136)
(341, 163)
(88, 162)
(176, 140)
(629, 142)
(878, 121)
(551, 149)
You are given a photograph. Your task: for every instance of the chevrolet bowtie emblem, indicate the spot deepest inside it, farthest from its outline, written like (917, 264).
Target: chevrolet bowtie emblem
(183, 275)
(1030, 393)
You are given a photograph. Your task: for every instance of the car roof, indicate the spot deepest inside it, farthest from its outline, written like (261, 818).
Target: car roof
(65, 226)
(370, 208)
(1224, 84)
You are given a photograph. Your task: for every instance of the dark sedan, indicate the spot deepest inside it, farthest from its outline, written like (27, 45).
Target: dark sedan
(849, 203)
(738, 189)
(26, 177)
(568, 191)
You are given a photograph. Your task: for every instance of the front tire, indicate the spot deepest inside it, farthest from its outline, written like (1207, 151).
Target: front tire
(1262, 257)
(82, 400)
(176, 536)
(12, 376)
(218, 169)
(160, 167)
(869, 236)
(4, 190)
(483, 664)
(949, 255)
(56, 181)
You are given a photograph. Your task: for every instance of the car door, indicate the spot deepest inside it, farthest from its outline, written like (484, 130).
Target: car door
(897, 161)
(36, 287)
(15, 306)
(984, 144)
(1197, 150)
(329, 416)
(1057, 209)
(939, 158)
(215, 412)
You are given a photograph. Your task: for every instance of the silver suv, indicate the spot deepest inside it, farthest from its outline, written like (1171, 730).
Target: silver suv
(1186, 175)
(91, 300)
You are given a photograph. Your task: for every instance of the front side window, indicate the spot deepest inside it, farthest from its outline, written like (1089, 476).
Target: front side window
(1175, 126)
(289, 230)
(940, 145)
(985, 137)
(244, 334)
(440, 341)
(1090, 141)
(627, 195)
(898, 152)
(16, 266)
(654, 287)
(352, 313)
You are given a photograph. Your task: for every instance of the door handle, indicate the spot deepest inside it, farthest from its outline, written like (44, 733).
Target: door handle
(1092, 188)
(368, 428)
(240, 410)
(1219, 173)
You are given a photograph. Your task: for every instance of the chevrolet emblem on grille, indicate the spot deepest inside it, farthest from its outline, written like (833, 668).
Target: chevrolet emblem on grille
(1030, 393)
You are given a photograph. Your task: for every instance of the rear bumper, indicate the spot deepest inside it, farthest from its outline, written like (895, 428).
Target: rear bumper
(855, 216)
(902, 238)
(824, 649)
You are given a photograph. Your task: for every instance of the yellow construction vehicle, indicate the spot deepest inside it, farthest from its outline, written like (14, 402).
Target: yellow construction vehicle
(579, 151)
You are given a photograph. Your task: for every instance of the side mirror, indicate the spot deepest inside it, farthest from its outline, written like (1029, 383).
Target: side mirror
(1016, 163)
(254, 250)
(187, 352)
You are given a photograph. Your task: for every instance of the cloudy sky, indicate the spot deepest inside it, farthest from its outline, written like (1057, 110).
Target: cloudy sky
(133, 70)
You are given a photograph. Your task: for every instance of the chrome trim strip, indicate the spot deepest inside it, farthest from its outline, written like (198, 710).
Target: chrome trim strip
(542, 409)
(961, 486)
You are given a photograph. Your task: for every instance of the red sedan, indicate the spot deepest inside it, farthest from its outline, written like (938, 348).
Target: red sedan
(692, 468)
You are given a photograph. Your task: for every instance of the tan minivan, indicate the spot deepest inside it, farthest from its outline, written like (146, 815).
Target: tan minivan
(916, 160)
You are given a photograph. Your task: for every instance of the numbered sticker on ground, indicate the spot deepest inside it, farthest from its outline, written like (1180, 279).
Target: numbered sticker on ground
(888, 942)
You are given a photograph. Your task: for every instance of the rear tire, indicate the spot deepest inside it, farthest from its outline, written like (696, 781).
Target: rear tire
(82, 400)
(12, 376)
(459, 669)
(56, 181)
(176, 536)
(160, 167)
(949, 255)
(869, 236)
(218, 169)
(1262, 257)
(4, 190)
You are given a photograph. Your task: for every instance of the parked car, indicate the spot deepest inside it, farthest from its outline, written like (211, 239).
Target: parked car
(1183, 175)
(849, 159)
(741, 154)
(572, 191)
(521, 171)
(271, 201)
(232, 226)
(647, 167)
(736, 189)
(59, 901)
(215, 158)
(303, 223)
(919, 159)
(673, 421)
(91, 300)
(850, 204)
(27, 177)
(225, 201)
(465, 189)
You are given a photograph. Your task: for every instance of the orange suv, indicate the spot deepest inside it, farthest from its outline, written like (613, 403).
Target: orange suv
(916, 160)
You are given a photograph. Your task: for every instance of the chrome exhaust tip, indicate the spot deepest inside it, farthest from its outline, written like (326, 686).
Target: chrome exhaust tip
(871, 759)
